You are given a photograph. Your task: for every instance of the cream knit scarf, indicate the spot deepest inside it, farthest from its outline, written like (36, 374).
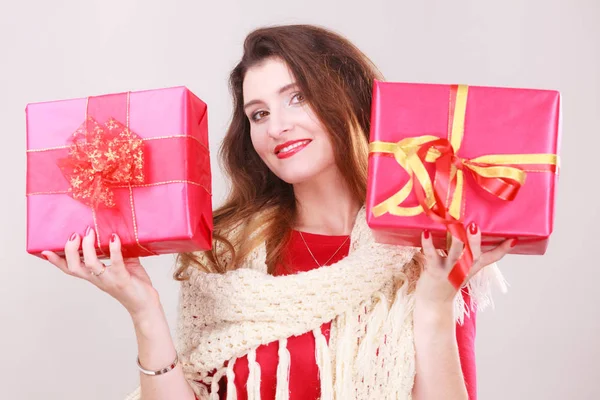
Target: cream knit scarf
(370, 354)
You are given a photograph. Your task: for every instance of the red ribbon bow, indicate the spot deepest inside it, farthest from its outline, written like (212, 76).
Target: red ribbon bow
(444, 187)
(101, 158)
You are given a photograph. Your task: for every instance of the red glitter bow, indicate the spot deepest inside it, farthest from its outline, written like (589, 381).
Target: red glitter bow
(101, 158)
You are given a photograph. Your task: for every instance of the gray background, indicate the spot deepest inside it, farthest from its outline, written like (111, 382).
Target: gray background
(63, 339)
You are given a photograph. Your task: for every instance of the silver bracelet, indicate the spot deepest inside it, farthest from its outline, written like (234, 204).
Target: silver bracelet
(160, 371)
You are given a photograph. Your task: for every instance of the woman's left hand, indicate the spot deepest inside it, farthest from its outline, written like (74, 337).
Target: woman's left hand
(434, 287)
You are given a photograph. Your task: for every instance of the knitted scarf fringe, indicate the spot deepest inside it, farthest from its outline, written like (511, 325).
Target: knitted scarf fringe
(374, 362)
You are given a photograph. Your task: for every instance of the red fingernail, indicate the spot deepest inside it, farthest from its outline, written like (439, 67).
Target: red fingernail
(473, 228)
(113, 238)
(513, 243)
(73, 237)
(87, 230)
(426, 234)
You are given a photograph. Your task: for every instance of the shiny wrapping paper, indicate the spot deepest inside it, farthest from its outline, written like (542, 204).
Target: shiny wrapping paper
(502, 127)
(136, 164)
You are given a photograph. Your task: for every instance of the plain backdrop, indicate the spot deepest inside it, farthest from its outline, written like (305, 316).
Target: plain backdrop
(61, 338)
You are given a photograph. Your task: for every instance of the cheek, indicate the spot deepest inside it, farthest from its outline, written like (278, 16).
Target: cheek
(325, 139)
(312, 124)
(259, 142)
(328, 151)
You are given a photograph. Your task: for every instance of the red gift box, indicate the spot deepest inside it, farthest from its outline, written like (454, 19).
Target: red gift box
(135, 164)
(443, 156)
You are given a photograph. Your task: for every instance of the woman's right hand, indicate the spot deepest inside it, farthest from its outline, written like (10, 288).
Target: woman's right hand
(129, 284)
(125, 279)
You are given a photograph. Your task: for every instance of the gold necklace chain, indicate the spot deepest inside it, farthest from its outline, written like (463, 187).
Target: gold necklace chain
(313, 256)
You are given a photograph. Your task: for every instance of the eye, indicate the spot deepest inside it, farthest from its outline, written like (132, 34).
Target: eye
(297, 98)
(258, 115)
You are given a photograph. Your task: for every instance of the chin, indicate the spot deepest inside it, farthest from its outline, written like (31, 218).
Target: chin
(301, 174)
(295, 179)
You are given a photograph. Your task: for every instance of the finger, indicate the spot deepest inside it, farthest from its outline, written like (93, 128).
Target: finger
(116, 256)
(455, 251)
(493, 256)
(474, 237)
(496, 254)
(90, 258)
(57, 261)
(72, 256)
(428, 249)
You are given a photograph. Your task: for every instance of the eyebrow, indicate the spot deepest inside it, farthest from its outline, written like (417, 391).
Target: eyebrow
(280, 91)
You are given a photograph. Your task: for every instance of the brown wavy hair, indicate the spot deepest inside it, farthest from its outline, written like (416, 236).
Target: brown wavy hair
(336, 79)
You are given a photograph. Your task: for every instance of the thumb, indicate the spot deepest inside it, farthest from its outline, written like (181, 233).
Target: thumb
(135, 268)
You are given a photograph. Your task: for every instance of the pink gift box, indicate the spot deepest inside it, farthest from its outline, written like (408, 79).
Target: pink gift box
(497, 121)
(168, 210)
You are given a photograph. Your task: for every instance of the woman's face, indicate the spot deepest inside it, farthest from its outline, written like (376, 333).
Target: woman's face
(284, 130)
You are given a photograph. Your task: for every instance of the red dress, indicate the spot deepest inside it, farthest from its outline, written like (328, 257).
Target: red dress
(304, 382)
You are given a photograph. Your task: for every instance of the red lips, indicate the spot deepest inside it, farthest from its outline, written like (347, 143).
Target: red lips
(288, 153)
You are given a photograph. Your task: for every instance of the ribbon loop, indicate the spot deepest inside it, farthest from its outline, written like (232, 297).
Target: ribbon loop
(100, 157)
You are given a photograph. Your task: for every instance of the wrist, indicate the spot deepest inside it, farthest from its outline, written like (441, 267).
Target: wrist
(437, 314)
(149, 320)
(150, 305)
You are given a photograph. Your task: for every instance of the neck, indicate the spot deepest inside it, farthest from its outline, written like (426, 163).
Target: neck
(326, 205)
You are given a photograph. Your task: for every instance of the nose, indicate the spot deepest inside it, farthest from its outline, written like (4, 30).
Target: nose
(278, 124)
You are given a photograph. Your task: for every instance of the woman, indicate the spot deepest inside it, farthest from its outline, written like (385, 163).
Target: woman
(296, 300)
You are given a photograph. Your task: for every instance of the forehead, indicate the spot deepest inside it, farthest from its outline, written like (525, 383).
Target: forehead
(266, 78)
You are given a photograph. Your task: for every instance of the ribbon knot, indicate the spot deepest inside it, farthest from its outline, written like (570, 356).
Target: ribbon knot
(101, 158)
